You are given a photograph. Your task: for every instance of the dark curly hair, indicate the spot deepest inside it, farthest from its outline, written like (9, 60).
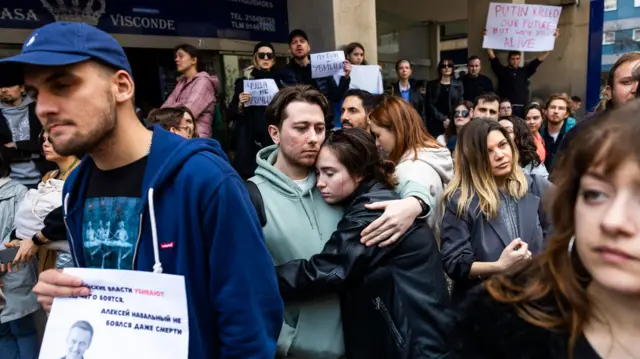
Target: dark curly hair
(524, 141)
(356, 150)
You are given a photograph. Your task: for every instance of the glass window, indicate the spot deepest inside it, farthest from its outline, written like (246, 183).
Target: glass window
(609, 38)
(636, 34)
(610, 5)
(388, 43)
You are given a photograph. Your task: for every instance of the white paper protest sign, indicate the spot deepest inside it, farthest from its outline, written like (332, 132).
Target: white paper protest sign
(129, 315)
(262, 91)
(366, 77)
(518, 27)
(326, 64)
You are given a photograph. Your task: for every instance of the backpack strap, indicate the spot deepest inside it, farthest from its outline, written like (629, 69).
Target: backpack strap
(256, 199)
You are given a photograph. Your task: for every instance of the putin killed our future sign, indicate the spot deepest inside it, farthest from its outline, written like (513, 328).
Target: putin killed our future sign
(516, 27)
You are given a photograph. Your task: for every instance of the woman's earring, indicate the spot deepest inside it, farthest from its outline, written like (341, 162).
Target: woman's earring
(571, 243)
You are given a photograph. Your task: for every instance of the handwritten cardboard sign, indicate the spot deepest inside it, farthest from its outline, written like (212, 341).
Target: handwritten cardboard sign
(262, 91)
(327, 64)
(521, 27)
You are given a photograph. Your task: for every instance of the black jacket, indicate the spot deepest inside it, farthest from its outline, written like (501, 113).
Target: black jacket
(415, 98)
(435, 118)
(475, 86)
(249, 132)
(553, 146)
(394, 300)
(590, 119)
(514, 83)
(487, 329)
(293, 74)
(471, 237)
(26, 151)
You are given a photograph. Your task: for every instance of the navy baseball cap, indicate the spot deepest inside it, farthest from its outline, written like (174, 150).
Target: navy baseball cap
(67, 43)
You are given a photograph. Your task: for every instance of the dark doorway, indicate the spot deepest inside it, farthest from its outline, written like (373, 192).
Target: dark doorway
(150, 69)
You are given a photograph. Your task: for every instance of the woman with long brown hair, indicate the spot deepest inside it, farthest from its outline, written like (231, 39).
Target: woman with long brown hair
(418, 157)
(580, 299)
(493, 216)
(394, 300)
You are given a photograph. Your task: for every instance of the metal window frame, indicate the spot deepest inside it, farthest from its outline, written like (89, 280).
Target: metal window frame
(613, 41)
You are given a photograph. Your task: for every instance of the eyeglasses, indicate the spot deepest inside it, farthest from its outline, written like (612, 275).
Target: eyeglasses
(447, 66)
(461, 114)
(265, 55)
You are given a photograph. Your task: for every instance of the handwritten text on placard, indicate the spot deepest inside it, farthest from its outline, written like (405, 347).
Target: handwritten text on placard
(327, 64)
(521, 27)
(262, 91)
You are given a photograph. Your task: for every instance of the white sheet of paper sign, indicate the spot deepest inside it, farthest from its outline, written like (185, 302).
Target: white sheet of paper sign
(366, 77)
(326, 64)
(262, 91)
(517, 27)
(132, 315)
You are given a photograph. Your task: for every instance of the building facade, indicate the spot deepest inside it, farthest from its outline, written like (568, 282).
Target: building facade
(621, 30)
(225, 31)
(420, 31)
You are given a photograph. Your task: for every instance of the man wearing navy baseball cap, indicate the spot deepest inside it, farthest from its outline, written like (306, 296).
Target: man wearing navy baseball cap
(152, 189)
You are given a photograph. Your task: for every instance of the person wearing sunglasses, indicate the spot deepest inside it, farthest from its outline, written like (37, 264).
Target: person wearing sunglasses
(248, 128)
(462, 114)
(442, 95)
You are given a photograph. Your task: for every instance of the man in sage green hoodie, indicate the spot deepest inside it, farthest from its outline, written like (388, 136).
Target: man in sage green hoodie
(299, 222)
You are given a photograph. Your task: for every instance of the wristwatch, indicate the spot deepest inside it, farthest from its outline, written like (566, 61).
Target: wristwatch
(36, 240)
(424, 206)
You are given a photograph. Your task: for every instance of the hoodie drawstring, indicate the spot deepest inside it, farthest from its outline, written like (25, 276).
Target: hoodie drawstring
(315, 215)
(305, 209)
(157, 266)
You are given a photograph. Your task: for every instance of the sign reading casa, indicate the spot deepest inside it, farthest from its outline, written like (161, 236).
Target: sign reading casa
(18, 14)
(238, 19)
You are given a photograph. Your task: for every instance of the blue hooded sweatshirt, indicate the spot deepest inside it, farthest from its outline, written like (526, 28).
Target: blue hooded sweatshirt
(197, 202)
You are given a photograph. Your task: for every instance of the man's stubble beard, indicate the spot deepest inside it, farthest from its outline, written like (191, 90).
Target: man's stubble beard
(80, 146)
(292, 160)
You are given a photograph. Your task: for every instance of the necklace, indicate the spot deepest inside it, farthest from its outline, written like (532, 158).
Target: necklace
(61, 174)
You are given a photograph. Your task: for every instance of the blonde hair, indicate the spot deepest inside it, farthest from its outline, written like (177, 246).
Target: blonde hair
(473, 174)
(254, 65)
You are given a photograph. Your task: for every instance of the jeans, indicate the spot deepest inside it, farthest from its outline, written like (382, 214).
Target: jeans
(19, 338)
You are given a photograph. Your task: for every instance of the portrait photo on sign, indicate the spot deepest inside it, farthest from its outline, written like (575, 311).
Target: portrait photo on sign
(75, 343)
(145, 313)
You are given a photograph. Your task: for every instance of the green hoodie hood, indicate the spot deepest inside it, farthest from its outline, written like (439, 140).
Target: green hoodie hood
(265, 159)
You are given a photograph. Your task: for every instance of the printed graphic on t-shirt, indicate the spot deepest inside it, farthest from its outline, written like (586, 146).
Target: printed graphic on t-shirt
(110, 231)
(20, 130)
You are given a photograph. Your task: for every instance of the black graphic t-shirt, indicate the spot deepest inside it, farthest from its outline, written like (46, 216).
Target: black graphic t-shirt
(111, 221)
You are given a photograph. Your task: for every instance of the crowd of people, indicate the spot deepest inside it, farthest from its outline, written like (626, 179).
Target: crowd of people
(461, 222)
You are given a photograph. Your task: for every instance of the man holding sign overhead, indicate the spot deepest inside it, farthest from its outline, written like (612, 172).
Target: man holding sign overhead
(300, 70)
(519, 28)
